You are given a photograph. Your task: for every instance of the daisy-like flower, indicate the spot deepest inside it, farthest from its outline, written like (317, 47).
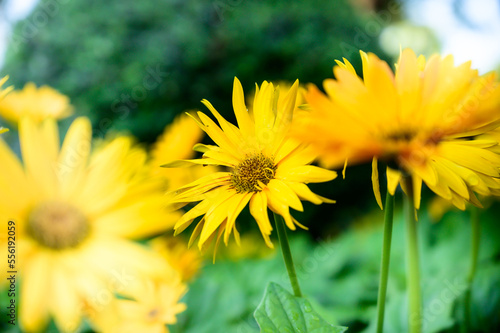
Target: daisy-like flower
(175, 143)
(422, 120)
(265, 168)
(37, 103)
(75, 214)
(150, 306)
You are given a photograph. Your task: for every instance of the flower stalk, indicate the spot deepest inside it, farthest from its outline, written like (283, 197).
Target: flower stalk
(386, 256)
(476, 237)
(412, 261)
(287, 254)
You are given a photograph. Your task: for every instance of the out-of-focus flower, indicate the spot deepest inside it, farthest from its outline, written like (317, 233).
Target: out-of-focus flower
(151, 306)
(266, 169)
(36, 103)
(3, 130)
(185, 261)
(176, 142)
(422, 121)
(75, 214)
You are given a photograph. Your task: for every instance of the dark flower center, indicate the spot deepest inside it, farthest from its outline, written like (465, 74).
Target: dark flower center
(253, 170)
(57, 225)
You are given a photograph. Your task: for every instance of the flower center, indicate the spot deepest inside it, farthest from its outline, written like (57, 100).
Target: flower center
(57, 225)
(252, 171)
(153, 314)
(402, 136)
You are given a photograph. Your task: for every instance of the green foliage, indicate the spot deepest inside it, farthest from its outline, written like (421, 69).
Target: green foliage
(135, 64)
(280, 311)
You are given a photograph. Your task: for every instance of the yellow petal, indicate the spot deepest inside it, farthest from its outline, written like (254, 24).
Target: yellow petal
(285, 193)
(304, 193)
(239, 202)
(216, 215)
(305, 174)
(258, 209)
(375, 183)
(277, 206)
(219, 137)
(36, 161)
(393, 178)
(35, 291)
(240, 110)
(417, 191)
(64, 302)
(74, 155)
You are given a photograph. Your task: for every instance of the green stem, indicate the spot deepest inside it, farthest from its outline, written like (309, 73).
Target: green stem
(476, 237)
(386, 256)
(412, 261)
(287, 254)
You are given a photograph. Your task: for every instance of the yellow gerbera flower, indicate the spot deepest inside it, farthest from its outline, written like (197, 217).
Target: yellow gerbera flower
(37, 103)
(420, 120)
(74, 214)
(265, 168)
(151, 306)
(175, 143)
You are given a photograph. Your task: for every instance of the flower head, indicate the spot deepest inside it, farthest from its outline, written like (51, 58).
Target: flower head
(150, 306)
(37, 103)
(422, 120)
(76, 212)
(265, 168)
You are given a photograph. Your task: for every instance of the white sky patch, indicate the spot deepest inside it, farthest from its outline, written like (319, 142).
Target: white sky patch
(18, 9)
(478, 39)
(10, 12)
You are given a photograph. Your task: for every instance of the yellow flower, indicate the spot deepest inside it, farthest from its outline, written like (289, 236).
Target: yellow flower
(152, 305)
(37, 103)
(185, 261)
(3, 130)
(421, 121)
(75, 214)
(176, 142)
(265, 168)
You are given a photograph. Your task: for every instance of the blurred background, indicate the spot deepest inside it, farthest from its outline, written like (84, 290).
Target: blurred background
(132, 66)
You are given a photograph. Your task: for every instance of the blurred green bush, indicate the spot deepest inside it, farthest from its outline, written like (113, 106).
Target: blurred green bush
(135, 64)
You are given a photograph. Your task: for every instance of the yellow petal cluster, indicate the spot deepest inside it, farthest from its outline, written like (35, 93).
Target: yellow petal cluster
(422, 120)
(265, 167)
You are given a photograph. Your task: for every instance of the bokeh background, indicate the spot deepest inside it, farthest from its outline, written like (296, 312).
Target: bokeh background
(132, 66)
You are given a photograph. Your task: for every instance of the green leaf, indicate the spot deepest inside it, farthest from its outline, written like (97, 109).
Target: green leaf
(280, 311)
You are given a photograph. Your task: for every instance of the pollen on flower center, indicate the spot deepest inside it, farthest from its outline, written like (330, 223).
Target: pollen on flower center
(253, 170)
(57, 225)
